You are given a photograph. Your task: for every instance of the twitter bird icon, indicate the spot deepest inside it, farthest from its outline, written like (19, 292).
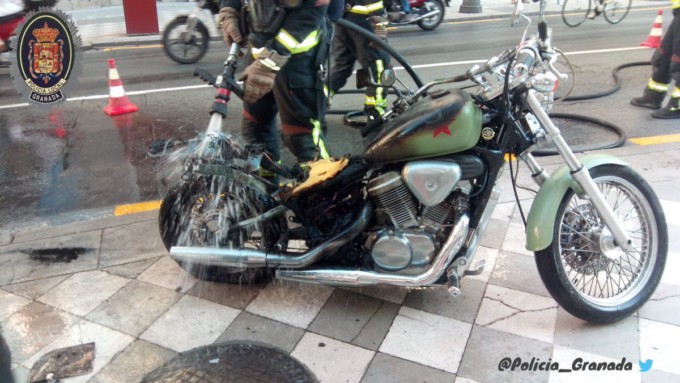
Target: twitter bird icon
(646, 365)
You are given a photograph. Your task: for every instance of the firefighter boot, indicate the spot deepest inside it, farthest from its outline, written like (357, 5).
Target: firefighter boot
(671, 111)
(651, 99)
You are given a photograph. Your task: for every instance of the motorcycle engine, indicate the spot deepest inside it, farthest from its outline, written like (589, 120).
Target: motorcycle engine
(409, 236)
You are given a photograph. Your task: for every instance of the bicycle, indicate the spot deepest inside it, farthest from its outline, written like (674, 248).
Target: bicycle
(575, 12)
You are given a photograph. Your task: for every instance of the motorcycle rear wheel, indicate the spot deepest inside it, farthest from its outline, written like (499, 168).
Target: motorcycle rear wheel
(432, 23)
(195, 46)
(198, 213)
(584, 272)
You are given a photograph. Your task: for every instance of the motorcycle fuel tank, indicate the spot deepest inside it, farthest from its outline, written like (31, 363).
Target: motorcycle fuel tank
(442, 123)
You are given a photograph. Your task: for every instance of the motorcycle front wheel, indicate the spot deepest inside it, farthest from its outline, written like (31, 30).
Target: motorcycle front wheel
(584, 271)
(200, 212)
(182, 45)
(431, 23)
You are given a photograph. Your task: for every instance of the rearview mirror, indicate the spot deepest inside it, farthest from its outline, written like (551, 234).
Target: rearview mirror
(388, 77)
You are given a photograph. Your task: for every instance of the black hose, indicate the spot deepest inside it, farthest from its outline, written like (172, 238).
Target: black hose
(577, 117)
(382, 44)
(617, 83)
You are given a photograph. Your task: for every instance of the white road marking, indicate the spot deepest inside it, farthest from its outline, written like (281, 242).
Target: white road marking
(421, 66)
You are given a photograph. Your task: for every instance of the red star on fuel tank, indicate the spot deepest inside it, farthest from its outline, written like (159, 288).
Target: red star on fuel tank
(442, 129)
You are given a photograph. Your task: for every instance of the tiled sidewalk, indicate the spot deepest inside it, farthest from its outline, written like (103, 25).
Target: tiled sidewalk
(124, 293)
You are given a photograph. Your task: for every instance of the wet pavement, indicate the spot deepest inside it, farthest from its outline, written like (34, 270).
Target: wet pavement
(110, 281)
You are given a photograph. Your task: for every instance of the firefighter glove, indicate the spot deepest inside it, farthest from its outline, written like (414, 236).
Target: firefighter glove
(259, 76)
(230, 21)
(379, 24)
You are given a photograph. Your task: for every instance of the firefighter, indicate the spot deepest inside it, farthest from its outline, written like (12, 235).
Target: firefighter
(665, 67)
(350, 46)
(287, 50)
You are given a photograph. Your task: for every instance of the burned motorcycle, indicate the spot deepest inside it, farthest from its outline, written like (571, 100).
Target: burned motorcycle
(412, 209)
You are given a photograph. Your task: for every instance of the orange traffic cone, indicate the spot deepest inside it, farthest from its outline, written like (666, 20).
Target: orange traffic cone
(654, 38)
(118, 101)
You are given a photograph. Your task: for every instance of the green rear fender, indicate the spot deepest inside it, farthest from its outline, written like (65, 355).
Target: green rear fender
(541, 220)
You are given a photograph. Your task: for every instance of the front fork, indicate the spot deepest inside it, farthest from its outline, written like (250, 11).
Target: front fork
(190, 26)
(578, 172)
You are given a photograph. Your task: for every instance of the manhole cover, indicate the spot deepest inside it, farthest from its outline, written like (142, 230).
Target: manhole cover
(235, 362)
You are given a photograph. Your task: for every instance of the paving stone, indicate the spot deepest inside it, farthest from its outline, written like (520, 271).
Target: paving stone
(487, 347)
(236, 296)
(10, 303)
(131, 270)
(373, 334)
(191, 322)
(34, 289)
(5, 238)
(494, 234)
(344, 315)
(21, 374)
(661, 343)
(386, 368)
(107, 342)
(519, 272)
(167, 273)
(515, 240)
(428, 339)
(671, 273)
(667, 190)
(394, 294)
(250, 327)
(124, 244)
(605, 340)
(437, 300)
(78, 294)
(291, 303)
(331, 360)
(503, 211)
(133, 363)
(672, 212)
(134, 307)
(82, 226)
(568, 359)
(17, 265)
(664, 305)
(657, 376)
(34, 326)
(674, 238)
(518, 313)
(489, 256)
(460, 379)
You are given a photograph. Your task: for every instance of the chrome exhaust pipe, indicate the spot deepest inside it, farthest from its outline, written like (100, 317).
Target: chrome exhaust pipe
(246, 258)
(354, 278)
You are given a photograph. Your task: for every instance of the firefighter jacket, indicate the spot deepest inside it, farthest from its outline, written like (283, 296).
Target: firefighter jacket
(358, 11)
(300, 31)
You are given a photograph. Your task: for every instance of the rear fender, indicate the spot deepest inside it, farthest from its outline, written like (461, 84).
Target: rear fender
(541, 219)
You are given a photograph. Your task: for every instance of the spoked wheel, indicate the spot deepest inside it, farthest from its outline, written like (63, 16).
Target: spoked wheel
(431, 23)
(586, 273)
(200, 213)
(575, 12)
(185, 46)
(616, 10)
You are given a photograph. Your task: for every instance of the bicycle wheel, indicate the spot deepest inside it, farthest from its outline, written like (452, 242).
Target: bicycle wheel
(574, 12)
(616, 10)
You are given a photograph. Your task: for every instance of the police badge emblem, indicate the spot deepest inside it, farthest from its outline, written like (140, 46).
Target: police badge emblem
(46, 52)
